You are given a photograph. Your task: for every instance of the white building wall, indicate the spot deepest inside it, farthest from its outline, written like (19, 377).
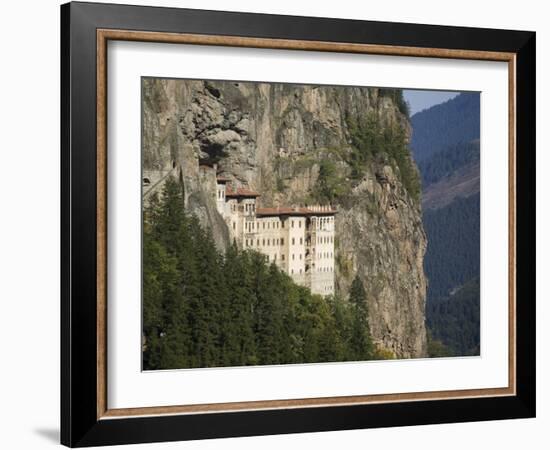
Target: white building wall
(283, 240)
(220, 198)
(297, 249)
(322, 277)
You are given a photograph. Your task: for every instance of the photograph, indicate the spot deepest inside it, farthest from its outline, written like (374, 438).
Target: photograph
(282, 221)
(299, 224)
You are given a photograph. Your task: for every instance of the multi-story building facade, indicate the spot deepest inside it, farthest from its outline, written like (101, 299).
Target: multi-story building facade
(300, 240)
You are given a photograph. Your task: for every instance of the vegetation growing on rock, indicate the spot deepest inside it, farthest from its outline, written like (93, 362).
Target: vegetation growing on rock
(293, 144)
(203, 308)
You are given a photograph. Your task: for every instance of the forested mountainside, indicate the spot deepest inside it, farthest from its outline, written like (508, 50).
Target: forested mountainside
(445, 125)
(446, 143)
(455, 320)
(297, 145)
(448, 161)
(452, 258)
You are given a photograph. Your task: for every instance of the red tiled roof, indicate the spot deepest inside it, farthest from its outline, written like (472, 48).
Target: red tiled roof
(296, 211)
(240, 192)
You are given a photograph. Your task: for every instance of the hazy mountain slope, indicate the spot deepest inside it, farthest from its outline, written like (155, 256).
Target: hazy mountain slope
(453, 246)
(445, 125)
(446, 145)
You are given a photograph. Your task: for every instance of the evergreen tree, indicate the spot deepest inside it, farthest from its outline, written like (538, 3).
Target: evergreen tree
(205, 308)
(237, 336)
(361, 342)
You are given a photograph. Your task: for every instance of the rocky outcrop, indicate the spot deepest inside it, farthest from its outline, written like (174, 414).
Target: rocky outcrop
(274, 138)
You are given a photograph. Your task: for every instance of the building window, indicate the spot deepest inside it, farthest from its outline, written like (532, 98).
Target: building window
(291, 270)
(301, 241)
(282, 257)
(293, 257)
(268, 241)
(299, 224)
(263, 242)
(257, 242)
(292, 224)
(282, 241)
(300, 270)
(234, 225)
(300, 256)
(263, 225)
(293, 241)
(282, 224)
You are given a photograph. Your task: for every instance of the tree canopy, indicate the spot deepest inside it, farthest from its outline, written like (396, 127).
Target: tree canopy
(205, 308)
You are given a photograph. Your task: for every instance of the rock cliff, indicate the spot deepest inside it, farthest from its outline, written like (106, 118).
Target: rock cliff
(275, 138)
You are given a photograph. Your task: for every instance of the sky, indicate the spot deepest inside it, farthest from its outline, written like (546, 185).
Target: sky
(421, 99)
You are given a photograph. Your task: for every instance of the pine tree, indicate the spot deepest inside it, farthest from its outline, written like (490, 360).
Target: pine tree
(361, 341)
(204, 308)
(237, 327)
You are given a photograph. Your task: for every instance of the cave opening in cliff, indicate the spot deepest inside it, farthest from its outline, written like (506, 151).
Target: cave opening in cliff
(212, 152)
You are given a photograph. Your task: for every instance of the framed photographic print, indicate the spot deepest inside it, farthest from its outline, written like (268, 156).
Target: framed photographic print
(276, 224)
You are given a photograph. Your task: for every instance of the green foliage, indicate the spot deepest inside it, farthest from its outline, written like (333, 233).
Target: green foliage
(452, 256)
(445, 139)
(437, 349)
(205, 309)
(383, 353)
(370, 139)
(447, 162)
(397, 96)
(361, 342)
(280, 185)
(330, 184)
(455, 320)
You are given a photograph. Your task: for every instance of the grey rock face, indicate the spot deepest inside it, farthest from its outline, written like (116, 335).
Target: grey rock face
(273, 138)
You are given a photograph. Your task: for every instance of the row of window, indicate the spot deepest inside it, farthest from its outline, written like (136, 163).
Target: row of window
(270, 242)
(275, 224)
(319, 269)
(280, 241)
(274, 257)
(322, 255)
(320, 240)
(325, 220)
(221, 194)
(256, 225)
(325, 239)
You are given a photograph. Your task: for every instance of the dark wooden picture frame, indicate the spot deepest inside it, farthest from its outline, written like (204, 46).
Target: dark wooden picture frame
(85, 30)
